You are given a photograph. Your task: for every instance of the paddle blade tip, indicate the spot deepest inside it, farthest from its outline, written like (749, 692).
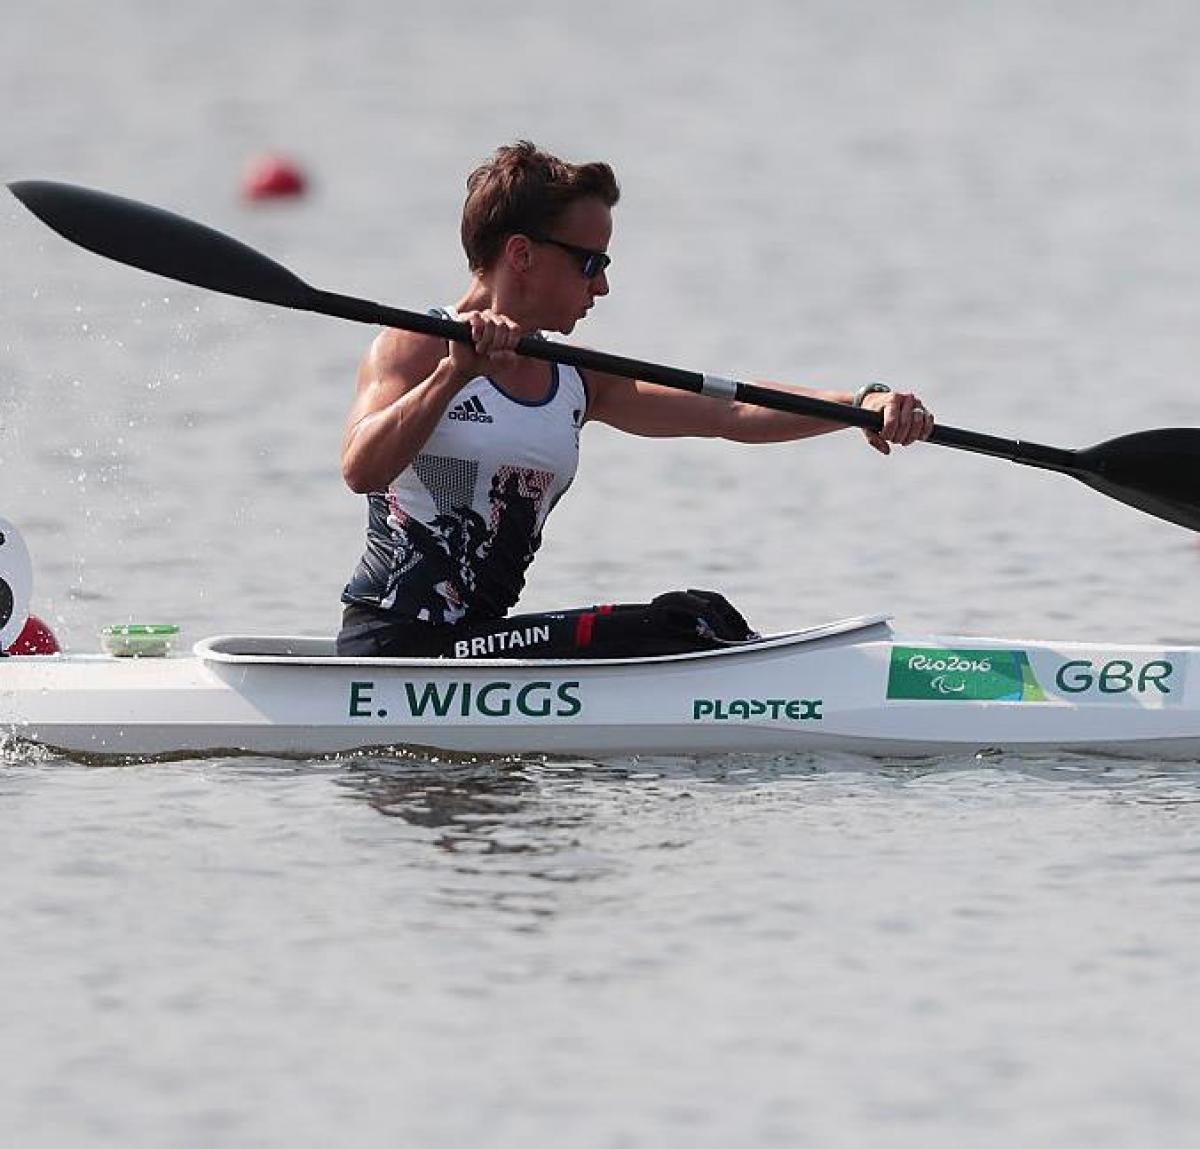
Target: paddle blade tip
(26, 192)
(31, 192)
(52, 202)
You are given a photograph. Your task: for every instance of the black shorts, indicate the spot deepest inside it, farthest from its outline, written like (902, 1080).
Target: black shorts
(672, 623)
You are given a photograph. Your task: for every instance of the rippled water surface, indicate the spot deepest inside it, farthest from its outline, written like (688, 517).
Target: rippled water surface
(995, 206)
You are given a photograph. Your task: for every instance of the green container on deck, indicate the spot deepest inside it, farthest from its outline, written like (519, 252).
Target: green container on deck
(139, 639)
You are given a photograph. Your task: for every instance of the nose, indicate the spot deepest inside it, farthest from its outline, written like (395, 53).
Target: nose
(600, 283)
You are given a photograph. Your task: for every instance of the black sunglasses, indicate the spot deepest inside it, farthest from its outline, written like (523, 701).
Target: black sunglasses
(591, 263)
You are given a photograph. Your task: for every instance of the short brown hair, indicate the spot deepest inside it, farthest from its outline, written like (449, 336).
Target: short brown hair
(522, 191)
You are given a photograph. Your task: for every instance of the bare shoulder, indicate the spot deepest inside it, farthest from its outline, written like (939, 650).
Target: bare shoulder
(399, 359)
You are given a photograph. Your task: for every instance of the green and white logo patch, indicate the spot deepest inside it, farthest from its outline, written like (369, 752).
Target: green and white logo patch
(968, 675)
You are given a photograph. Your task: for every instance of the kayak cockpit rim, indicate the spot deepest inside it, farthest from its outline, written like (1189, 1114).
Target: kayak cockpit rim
(298, 650)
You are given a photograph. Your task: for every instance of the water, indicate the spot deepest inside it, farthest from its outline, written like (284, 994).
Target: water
(992, 206)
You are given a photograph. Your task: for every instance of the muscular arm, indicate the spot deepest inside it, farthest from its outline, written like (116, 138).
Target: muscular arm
(405, 383)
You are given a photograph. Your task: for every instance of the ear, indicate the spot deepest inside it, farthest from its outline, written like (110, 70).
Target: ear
(518, 251)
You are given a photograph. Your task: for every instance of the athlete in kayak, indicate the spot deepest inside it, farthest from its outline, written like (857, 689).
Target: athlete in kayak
(462, 451)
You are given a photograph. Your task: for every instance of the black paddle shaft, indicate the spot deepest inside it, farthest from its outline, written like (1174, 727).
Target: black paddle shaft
(1155, 471)
(364, 311)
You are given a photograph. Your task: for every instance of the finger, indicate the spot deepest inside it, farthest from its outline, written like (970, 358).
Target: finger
(507, 334)
(493, 336)
(477, 325)
(878, 442)
(927, 423)
(890, 411)
(488, 330)
(908, 419)
(501, 334)
(922, 423)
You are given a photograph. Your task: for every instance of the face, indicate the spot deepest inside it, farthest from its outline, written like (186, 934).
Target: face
(559, 273)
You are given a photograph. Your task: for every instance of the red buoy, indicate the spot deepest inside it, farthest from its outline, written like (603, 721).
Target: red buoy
(35, 638)
(272, 177)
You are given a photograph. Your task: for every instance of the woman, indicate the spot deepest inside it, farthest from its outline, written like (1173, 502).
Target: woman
(463, 450)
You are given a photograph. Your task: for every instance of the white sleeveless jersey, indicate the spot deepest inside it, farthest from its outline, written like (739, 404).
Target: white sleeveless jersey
(453, 534)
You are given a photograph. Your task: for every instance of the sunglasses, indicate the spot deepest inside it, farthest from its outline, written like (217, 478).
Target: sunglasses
(591, 263)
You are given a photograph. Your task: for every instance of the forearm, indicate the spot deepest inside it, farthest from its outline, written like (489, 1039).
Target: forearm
(746, 423)
(649, 409)
(385, 441)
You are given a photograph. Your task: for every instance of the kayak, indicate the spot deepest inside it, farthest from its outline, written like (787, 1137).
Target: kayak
(848, 686)
(853, 685)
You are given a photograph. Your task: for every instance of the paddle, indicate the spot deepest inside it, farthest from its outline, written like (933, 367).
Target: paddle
(1156, 471)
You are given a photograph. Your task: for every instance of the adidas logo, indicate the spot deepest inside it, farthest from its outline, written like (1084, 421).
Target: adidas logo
(470, 410)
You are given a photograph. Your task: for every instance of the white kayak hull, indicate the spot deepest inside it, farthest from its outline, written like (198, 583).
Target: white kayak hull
(852, 686)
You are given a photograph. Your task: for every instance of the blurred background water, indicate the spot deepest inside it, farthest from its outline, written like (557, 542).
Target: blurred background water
(993, 205)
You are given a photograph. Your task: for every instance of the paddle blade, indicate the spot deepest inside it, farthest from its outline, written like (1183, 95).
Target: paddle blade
(160, 242)
(1156, 471)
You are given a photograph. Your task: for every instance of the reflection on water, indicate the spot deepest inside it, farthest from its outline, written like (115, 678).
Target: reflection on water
(535, 805)
(466, 799)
